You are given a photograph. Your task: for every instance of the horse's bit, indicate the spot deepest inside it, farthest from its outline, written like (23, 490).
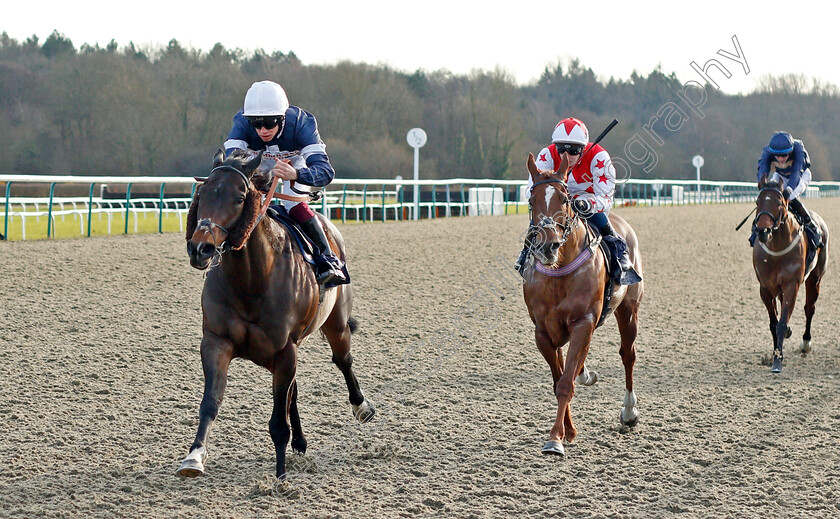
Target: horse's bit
(548, 222)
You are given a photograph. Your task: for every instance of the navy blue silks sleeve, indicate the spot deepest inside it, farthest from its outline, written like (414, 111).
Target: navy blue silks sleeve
(764, 162)
(798, 165)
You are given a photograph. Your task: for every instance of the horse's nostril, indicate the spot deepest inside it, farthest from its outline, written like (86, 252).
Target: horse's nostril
(555, 247)
(205, 249)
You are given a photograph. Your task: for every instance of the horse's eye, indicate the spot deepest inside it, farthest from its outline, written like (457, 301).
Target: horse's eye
(240, 200)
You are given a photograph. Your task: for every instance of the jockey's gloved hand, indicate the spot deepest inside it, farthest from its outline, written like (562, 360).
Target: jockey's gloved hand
(787, 192)
(583, 207)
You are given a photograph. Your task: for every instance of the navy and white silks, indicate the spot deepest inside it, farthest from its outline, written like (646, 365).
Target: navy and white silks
(298, 141)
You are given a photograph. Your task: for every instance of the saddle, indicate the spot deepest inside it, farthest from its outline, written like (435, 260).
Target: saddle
(279, 214)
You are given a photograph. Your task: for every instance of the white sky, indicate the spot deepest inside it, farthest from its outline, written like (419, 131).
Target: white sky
(613, 38)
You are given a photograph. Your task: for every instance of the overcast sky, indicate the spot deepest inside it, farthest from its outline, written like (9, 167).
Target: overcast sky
(613, 38)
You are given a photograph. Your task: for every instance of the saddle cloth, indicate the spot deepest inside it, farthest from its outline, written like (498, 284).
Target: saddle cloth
(304, 244)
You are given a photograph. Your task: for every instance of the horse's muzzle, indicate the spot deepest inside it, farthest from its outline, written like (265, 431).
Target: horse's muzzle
(201, 254)
(764, 235)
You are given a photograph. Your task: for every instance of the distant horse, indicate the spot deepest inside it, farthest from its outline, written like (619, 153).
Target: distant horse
(780, 266)
(260, 301)
(565, 292)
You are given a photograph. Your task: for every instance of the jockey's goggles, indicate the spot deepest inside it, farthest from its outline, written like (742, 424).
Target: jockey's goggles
(265, 122)
(571, 149)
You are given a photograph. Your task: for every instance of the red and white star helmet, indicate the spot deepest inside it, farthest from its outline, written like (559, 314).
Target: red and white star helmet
(570, 130)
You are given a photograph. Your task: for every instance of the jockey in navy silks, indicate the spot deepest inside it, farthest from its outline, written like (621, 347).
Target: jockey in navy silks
(591, 184)
(785, 160)
(292, 147)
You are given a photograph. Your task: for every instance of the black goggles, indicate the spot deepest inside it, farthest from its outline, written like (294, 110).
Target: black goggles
(265, 122)
(571, 149)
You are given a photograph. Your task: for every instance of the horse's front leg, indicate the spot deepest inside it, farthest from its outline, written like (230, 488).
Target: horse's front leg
(770, 303)
(285, 366)
(298, 439)
(216, 354)
(553, 355)
(782, 331)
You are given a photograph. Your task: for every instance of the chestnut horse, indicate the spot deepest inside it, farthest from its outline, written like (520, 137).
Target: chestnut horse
(780, 266)
(260, 301)
(564, 291)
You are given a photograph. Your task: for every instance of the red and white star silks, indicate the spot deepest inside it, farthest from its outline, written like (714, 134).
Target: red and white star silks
(592, 179)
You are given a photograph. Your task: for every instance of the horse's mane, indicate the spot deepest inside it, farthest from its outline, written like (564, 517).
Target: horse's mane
(773, 184)
(241, 231)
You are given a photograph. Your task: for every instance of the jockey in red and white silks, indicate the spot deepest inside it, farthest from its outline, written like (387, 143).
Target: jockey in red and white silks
(591, 183)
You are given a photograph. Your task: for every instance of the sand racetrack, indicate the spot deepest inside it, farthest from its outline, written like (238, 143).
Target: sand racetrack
(100, 381)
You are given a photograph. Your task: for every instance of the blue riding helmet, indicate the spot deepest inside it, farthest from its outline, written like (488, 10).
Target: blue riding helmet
(781, 143)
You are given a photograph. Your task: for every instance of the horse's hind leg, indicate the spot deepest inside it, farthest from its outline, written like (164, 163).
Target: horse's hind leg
(298, 439)
(812, 292)
(627, 316)
(216, 354)
(337, 330)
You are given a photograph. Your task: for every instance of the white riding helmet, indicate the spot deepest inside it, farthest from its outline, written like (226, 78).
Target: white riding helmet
(265, 98)
(570, 130)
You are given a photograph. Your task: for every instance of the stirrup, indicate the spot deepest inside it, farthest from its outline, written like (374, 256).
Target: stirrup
(332, 271)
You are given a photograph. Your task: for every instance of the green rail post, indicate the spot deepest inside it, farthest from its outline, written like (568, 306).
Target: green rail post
(127, 205)
(402, 202)
(6, 218)
(507, 198)
(160, 207)
(493, 200)
(49, 212)
(448, 202)
(434, 201)
(364, 204)
(90, 207)
(383, 202)
(463, 203)
(324, 201)
(344, 203)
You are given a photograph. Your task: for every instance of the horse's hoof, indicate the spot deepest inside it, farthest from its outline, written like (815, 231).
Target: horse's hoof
(789, 333)
(299, 445)
(805, 347)
(554, 447)
(632, 418)
(587, 381)
(364, 412)
(193, 465)
(777, 366)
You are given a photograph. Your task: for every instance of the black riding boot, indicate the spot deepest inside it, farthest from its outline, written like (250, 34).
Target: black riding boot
(805, 217)
(519, 266)
(618, 248)
(329, 266)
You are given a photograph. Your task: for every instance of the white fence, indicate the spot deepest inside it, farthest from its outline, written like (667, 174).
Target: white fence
(359, 200)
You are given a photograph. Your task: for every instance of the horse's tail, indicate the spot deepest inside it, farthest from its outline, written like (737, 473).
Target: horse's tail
(353, 323)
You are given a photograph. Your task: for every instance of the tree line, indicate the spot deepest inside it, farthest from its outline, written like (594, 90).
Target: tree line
(124, 110)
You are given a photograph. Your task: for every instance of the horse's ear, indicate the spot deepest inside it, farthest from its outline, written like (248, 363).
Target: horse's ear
(564, 165)
(532, 166)
(218, 158)
(762, 181)
(252, 164)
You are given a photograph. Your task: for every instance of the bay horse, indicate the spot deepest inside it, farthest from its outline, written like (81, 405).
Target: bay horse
(565, 290)
(779, 260)
(260, 302)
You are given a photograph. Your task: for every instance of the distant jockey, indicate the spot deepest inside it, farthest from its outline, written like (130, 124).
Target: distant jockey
(785, 160)
(591, 183)
(289, 139)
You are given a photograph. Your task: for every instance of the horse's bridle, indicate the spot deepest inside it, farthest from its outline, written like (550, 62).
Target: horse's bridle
(548, 222)
(207, 225)
(777, 220)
